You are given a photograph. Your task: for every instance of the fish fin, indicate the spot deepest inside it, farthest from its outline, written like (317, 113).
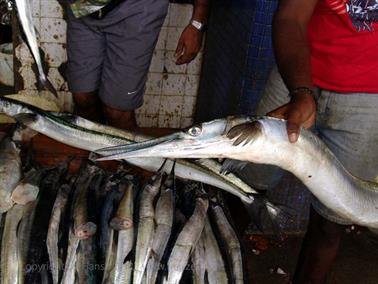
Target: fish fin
(231, 165)
(25, 117)
(262, 211)
(129, 257)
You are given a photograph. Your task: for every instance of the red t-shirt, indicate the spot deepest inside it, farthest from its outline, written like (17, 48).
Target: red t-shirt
(344, 45)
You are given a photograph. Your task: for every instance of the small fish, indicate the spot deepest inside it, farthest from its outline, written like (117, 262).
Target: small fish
(10, 172)
(187, 241)
(23, 236)
(164, 213)
(83, 228)
(53, 231)
(123, 223)
(198, 260)
(85, 262)
(9, 247)
(146, 225)
(69, 267)
(216, 272)
(230, 242)
(28, 188)
(24, 12)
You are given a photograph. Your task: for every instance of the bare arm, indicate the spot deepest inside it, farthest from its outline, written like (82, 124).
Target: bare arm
(190, 41)
(293, 60)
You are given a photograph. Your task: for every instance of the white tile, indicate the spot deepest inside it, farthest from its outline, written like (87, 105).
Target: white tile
(56, 79)
(162, 39)
(150, 106)
(55, 53)
(53, 30)
(29, 77)
(147, 120)
(194, 67)
(173, 84)
(180, 15)
(153, 84)
(51, 9)
(157, 62)
(192, 85)
(186, 122)
(22, 52)
(170, 64)
(169, 121)
(36, 8)
(173, 35)
(171, 105)
(188, 106)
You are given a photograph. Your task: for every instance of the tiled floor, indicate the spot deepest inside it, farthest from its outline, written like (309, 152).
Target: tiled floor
(171, 90)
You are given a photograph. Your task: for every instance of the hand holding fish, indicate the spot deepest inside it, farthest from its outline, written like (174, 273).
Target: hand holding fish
(299, 112)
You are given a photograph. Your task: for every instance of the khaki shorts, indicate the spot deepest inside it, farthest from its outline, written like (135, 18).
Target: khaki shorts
(348, 125)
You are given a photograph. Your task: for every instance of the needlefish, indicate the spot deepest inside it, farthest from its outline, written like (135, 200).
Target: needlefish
(24, 12)
(263, 140)
(84, 134)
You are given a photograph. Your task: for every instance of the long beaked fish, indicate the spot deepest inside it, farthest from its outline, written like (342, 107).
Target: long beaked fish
(24, 12)
(84, 134)
(264, 140)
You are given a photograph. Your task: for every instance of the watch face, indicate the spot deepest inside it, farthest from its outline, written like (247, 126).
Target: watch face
(198, 25)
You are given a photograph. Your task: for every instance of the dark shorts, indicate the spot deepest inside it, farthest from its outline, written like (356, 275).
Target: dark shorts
(113, 55)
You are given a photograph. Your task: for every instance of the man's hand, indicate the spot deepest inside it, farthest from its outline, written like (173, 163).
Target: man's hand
(299, 112)
(188, 45)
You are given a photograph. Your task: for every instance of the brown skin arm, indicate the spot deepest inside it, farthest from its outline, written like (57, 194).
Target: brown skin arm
(190, 41)
(293, 60)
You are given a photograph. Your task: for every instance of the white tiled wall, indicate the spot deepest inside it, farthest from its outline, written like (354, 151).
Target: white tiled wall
(171, 90)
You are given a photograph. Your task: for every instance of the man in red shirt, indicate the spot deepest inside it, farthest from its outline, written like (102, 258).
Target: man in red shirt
(327, 58)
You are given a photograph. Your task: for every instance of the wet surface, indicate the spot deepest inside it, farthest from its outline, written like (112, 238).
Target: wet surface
(356, 262)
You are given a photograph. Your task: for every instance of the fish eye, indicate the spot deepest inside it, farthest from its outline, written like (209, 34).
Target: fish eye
(195, 130)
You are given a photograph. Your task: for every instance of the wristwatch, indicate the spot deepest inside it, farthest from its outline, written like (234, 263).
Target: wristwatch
(198, 25)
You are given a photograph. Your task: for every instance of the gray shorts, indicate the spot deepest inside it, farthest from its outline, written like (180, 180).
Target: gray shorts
(348, 125)
(113, 55)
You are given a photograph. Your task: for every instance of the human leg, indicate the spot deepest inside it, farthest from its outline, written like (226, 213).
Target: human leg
(130, 45)
(85, 53)
(119, 118)
(319, 249)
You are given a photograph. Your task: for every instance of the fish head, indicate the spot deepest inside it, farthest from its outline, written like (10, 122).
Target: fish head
(221, 138)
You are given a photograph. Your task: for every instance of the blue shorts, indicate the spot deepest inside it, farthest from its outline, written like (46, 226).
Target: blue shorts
(348, 125)
(113, 55)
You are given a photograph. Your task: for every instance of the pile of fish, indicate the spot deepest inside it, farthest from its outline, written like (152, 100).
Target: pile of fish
(100, 227)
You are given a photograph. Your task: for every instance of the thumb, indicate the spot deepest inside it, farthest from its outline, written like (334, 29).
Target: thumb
(179, 48)
(293, 125)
